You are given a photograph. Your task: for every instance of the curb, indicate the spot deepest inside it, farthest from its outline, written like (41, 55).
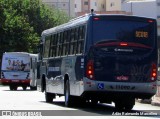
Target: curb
(145, 101)
(155, 103)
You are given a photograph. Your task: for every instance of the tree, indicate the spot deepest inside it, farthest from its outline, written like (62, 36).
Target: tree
(22, 22)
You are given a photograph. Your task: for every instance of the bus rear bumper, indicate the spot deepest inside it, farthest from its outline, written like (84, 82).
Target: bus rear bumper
(15, 82)
(136, 90)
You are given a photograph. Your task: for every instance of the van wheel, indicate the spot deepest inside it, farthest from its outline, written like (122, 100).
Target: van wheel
(11, 87)
(24, 87)
(15, 88)
(67, 94)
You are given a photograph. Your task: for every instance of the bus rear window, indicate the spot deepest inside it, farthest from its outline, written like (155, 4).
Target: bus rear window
(123, 31)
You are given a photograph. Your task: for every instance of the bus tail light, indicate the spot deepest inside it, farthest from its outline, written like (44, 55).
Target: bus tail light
(150, 21)
(90, 70)
(2, 74)
(153, 72)
(123, 44)
(96, 18)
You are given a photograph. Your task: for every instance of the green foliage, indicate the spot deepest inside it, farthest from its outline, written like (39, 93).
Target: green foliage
(22, 22)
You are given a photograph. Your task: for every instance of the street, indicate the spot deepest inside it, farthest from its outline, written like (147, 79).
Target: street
(34, 101)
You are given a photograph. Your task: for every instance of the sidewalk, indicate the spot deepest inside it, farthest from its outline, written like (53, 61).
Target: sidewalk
(155, 100)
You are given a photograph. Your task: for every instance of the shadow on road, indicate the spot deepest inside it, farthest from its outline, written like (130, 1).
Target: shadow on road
(89, 109)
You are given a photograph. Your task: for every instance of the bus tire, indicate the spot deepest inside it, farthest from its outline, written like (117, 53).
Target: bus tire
(49, 97)
(11, 87)
(129, 104)
(129, 107)
(67, 94)
(119, 106)
(24, 87)
(33, 88)
(15, 88)
(43, 84)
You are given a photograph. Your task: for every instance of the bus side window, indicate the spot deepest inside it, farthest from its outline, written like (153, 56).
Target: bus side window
(64, 43)
(76, 41)
(58, 43)
(55, 45)
(31, 64)
(50, 46)
(72, 42)
(47, 44)
(81, 39)
(68, 42)
(61, 44)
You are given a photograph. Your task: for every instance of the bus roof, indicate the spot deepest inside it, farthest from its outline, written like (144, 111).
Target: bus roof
(81, 20)
(72, 22)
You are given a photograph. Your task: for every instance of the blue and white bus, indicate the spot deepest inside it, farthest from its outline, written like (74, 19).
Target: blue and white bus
(100, 59)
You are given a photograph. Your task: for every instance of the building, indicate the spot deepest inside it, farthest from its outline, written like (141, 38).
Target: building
(84, 6)
(76, 8)
(113, 5)
(158, 8)
(141, 8)
(99, 6)
(64, 5)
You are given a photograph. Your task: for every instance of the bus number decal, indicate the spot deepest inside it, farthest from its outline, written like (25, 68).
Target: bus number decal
(141, 34)
(122, 87)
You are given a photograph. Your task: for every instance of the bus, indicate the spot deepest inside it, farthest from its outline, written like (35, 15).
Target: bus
(19, 69)
(100, 58)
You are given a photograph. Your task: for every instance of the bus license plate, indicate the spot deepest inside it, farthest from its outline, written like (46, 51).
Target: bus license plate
(15, 80)
(122, 78)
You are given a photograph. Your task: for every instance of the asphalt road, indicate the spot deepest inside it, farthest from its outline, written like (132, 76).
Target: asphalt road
(32, 103)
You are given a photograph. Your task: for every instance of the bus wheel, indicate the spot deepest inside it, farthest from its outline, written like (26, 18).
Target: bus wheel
(24, 87)
(119, 105)
(67, 94)
(129, 104)
(49, 97)
(128, 107)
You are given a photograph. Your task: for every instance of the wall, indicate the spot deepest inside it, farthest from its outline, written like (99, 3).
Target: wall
(113, 5)
(147, 9)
